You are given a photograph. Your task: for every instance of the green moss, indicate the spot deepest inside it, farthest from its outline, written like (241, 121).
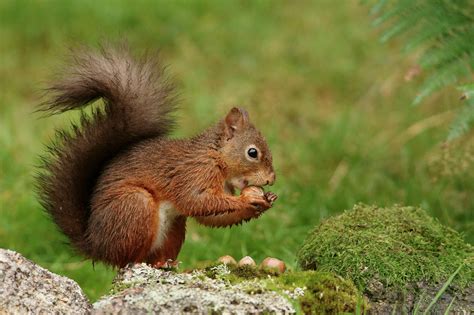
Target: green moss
(396, 245)
(324, 293)
(119, 287)
(236, 273)
(248, 272)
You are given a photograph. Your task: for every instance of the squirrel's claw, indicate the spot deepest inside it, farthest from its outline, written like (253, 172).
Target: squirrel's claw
(271, 197)
(168, 264)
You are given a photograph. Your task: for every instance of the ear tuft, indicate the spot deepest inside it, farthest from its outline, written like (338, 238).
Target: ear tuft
(236, 120)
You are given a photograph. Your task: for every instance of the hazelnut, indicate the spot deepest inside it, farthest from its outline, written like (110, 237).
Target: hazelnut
(253, 191)
(247, 261)
(227, 260)
(273, 264)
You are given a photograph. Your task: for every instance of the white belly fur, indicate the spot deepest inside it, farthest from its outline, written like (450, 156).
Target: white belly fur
(166, 216)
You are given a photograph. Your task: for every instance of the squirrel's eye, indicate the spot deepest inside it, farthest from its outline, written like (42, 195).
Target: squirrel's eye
(253, 153)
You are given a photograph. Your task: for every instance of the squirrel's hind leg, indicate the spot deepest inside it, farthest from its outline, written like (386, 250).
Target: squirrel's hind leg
(166, 255)
(122, 225)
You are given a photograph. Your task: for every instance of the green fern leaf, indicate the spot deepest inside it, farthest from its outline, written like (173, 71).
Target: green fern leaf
(444, 31)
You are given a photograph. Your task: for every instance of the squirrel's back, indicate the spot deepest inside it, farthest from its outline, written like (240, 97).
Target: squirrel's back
(139, 102)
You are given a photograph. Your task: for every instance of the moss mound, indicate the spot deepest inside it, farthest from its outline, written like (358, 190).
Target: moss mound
(396, 246)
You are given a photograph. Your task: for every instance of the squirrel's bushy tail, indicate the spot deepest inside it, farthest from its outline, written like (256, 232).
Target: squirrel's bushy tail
(139, 102)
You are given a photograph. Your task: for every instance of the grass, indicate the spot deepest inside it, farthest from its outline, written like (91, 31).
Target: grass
(329, 97)
(441, 291)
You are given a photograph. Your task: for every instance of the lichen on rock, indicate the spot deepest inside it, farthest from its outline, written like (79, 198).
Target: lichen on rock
(149, 290)
(222, 289)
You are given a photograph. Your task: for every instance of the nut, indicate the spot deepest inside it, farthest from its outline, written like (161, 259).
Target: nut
(253, 191)
(273, 264)
(247, 261)
(227, 260)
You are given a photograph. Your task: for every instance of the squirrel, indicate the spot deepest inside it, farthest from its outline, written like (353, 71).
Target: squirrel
(119, 187)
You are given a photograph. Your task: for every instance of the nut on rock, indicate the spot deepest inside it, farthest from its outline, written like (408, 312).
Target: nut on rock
(273, 264)
(247, 261)
(227, 260)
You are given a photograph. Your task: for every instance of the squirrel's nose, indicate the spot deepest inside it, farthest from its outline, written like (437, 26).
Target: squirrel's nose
(271, 179)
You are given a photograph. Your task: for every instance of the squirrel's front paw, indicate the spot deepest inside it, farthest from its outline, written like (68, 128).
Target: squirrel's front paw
(257, 198)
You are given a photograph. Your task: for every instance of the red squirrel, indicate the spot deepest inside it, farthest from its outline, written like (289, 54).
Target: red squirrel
(119, 188)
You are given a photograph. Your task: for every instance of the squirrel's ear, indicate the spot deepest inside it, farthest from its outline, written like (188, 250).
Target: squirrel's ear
(236, 120)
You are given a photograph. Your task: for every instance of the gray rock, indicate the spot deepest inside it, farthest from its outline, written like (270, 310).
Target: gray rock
(27, 288)
(142, 289)
(418, 296)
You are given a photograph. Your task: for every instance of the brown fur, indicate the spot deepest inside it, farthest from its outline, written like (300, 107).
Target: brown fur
(104, 182)
(172, 246)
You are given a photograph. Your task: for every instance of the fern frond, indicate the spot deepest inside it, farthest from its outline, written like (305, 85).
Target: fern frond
(465, 118)
(444, 76)
(444, 30)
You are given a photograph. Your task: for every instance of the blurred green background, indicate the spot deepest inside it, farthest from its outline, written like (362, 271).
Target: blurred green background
(332, 101)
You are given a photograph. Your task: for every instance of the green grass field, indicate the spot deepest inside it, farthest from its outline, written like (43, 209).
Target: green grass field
(330, 98)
